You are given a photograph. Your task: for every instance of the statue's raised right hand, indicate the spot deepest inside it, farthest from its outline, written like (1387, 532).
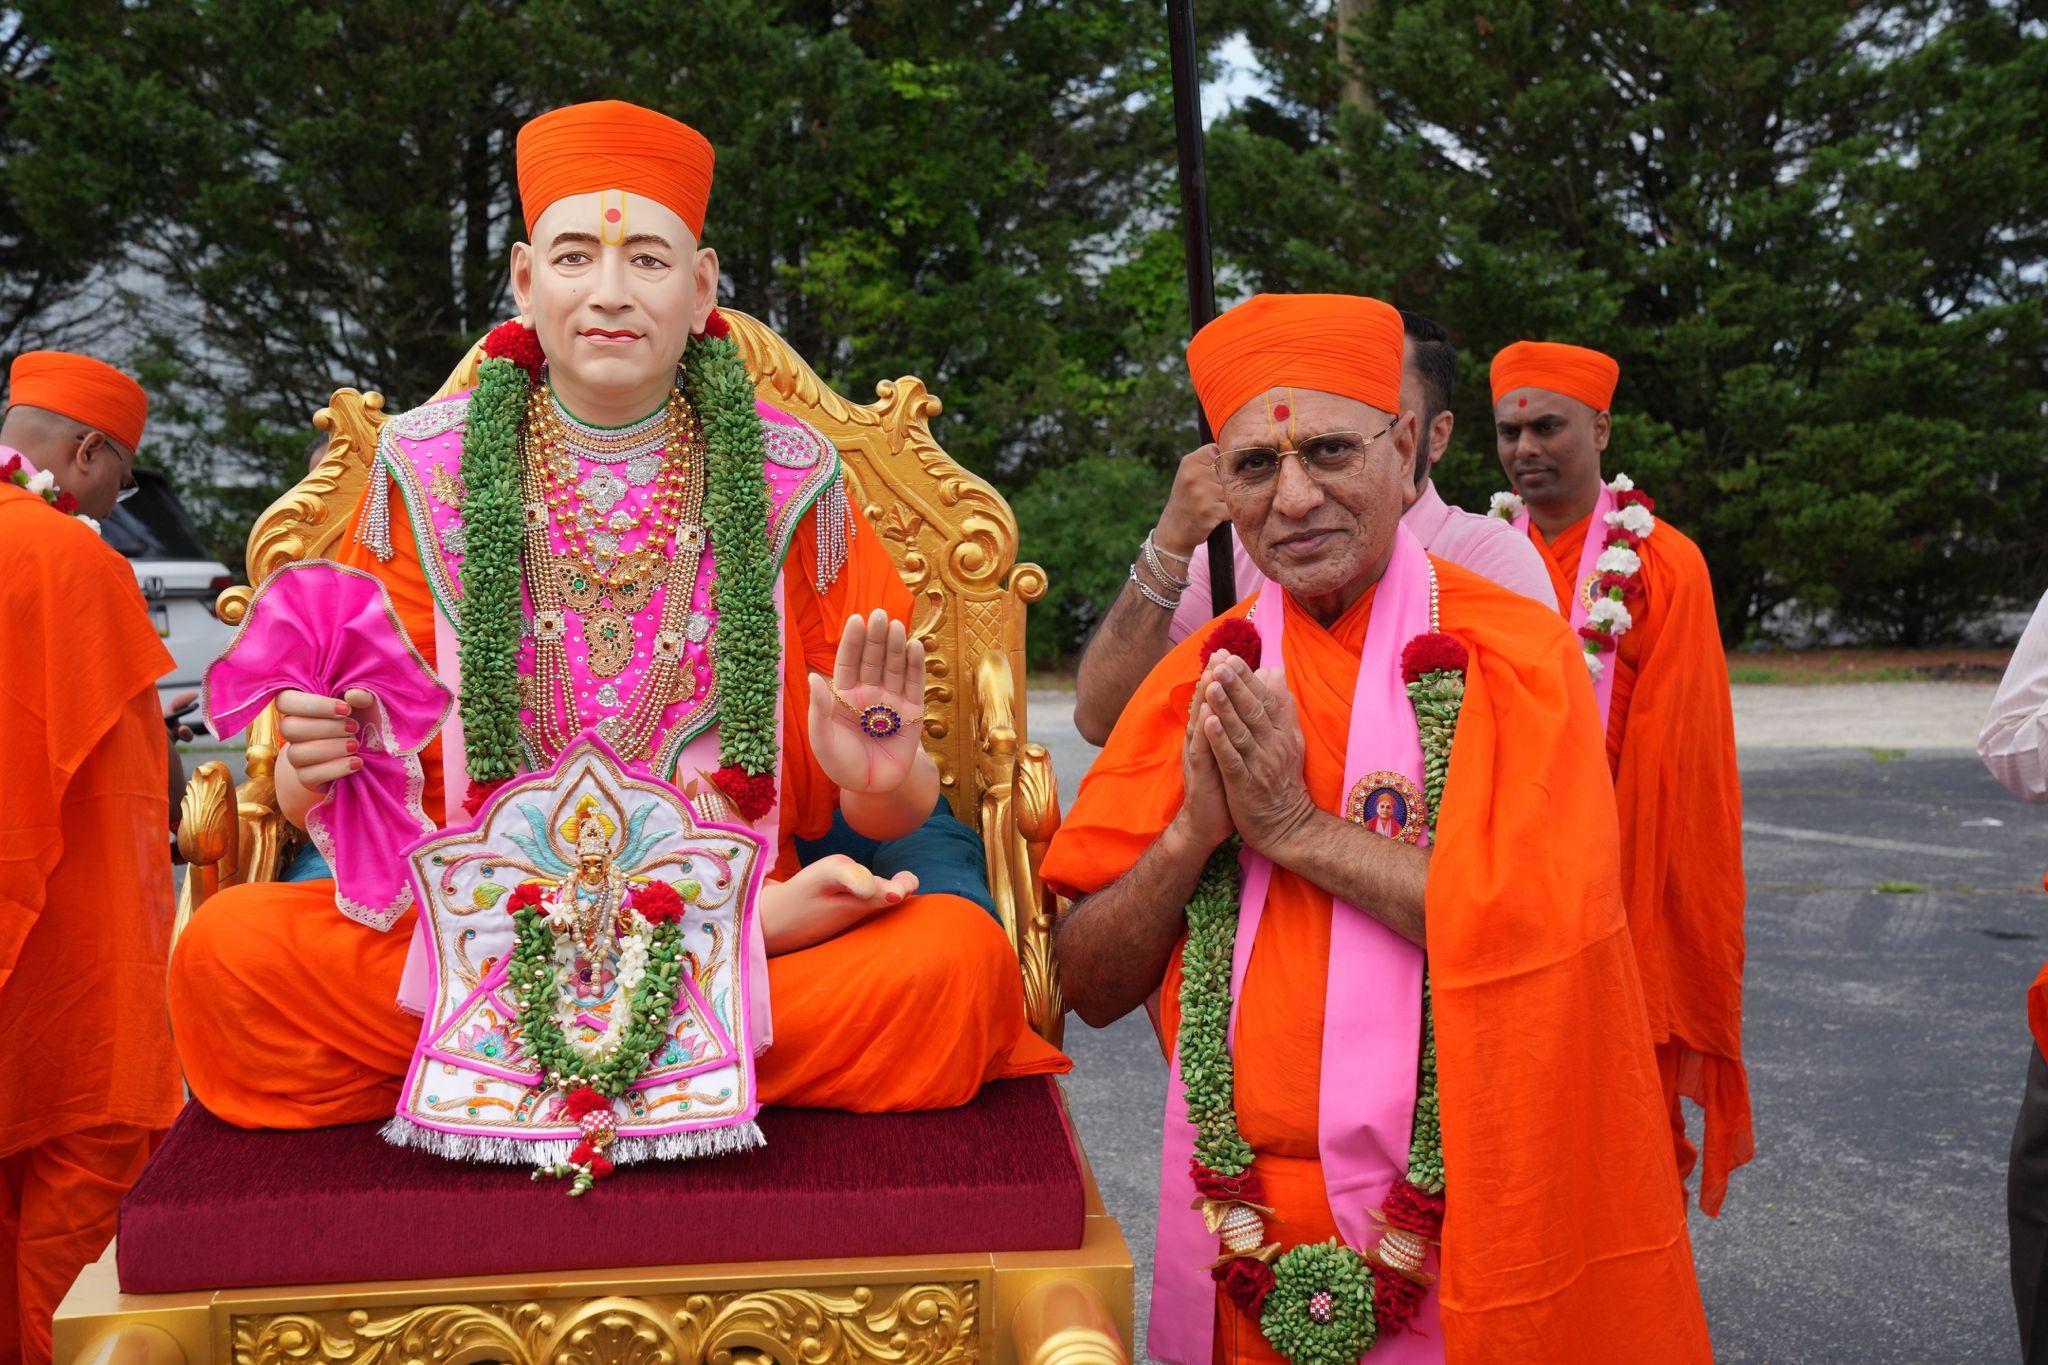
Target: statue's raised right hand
(321, 736)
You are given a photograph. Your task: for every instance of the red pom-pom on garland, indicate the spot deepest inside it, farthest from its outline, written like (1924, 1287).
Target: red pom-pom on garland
(1395, 1300)
(600, 1167)
(1434, 652)
(1244, 1187)
(479, 792)
(658, 903)
(518, 343)
(715, 325)
(752, 794)
(1235, 636)
(1246, 1282)
(525, 896)
(584, 1100)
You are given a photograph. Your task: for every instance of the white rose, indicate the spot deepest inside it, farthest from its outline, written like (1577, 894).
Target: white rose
(1635, 519)
(1618, 559)
(1609, 615)
(90, 524)
(1593, 664)
(1622, 484)
(42, 481)
(1506, 506)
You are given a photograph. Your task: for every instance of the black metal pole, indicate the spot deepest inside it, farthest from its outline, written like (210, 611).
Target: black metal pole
(1194, 219)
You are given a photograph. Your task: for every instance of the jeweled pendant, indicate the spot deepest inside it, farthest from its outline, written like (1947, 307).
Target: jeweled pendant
(608, 641)
(602, 490)
(880, 722)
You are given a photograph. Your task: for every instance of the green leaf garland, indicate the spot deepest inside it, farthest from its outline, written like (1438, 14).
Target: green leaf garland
(487, 635)
(534, 986)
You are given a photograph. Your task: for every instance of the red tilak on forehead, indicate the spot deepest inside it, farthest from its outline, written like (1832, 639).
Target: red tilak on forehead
(1521, 402)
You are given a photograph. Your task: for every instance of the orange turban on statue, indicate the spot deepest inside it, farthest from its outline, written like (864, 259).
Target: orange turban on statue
(1574, 371)
(81, 388)
(1333, 343)
(612, 145)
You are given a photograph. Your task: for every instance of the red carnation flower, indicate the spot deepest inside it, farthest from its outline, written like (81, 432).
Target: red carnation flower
(1243, 1187)
(1596, 636)
(1247, 1283)
(1235, 636)
(658, 903)
(64, 502)
(583, 1100)
(518, 343)
(479, 792)
(525, 896)
(13, 464)
(1612, 582)
(753, 794)
(715, 325)
(1434, 652)
(1628, 540)
(1636, 497)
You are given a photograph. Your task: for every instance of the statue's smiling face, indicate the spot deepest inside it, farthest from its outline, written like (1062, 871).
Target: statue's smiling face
(614, 284)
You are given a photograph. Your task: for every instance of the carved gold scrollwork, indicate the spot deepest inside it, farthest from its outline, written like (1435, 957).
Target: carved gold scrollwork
(898, 1324)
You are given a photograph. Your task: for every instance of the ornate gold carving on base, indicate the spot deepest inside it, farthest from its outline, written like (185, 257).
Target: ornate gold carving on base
(904, 1324)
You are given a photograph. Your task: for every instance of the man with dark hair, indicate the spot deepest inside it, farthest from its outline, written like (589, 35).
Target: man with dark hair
(1167, 597)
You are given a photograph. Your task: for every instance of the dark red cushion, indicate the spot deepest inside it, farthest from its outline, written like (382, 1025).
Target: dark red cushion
(221, 1206)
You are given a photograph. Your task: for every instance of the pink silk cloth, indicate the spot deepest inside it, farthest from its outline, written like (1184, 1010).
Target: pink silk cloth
(324, 628)
(1372, 1009)
(1576, 609)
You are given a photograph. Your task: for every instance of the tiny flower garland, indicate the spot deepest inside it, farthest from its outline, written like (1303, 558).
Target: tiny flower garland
(589, 1085)
(1628, 526)
(1326, 1303)
(748, 644)
(43, 484)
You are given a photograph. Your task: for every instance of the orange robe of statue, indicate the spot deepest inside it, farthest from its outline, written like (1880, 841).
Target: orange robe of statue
(285, 1011)
(88, 1079)
(1671, 748)
(1561, 1240)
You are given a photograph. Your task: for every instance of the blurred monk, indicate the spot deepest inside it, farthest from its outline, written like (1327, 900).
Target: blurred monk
(597, 555)
(1373, 1047)
(1636, 590)
(88, 1080)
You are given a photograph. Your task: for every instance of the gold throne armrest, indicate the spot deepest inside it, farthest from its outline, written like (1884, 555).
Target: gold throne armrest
(954, 541)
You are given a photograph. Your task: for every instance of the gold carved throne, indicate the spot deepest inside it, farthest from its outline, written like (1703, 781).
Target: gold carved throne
(954, 540)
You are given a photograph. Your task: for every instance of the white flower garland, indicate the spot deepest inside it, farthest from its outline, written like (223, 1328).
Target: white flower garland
(633, 958)
(1607, 617)
(43, 484)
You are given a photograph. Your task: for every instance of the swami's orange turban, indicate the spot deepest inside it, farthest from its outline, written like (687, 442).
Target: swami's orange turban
(81, 388)
(1574, 371)
(1334, 343)
(612, 145)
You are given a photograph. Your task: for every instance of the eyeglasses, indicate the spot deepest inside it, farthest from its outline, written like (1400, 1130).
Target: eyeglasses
(1327, 458)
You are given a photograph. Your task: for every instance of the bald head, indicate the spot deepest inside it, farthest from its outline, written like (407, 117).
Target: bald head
(87, 463)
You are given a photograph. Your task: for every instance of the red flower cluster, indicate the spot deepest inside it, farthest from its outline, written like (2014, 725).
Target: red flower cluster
(525, 896)
(1636, 497)
(1245, 1188)
(1395, 1299)
(1628, 540)
(1612, 582)
(1246, 1282)
(658, 903)
(479, 792)
(518, 343)
(1596, 635)
(7, 471)
(584, 1100)
(1434, 652)
(716, 326)
(752, 793)
(64, 502)
(1235, 636)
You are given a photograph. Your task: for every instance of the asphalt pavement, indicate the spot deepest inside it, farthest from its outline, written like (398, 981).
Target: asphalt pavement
(1895, 917)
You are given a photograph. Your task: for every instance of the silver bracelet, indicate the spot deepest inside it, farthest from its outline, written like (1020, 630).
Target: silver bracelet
(1152, 595)
(1178, 559)
(1151, 553)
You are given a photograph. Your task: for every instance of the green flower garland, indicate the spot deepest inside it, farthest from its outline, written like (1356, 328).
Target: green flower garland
(1321, 1310)
(748, 645)
(532, 973)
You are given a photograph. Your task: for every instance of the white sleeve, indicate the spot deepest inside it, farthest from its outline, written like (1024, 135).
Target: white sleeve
(2014, 740)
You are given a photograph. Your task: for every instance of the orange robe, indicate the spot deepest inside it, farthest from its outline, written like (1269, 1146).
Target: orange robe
(1561, 1240)
(286, 1013)
(88, 1079)
(1671, 748)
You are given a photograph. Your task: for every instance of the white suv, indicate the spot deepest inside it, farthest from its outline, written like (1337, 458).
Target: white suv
(178, 581)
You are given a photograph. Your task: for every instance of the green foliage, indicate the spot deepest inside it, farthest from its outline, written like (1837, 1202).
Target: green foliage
(1813, 235)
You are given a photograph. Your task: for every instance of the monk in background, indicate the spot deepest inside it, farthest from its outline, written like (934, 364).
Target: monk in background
(1276, 727)
(1637, 590)
(88, 1078)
